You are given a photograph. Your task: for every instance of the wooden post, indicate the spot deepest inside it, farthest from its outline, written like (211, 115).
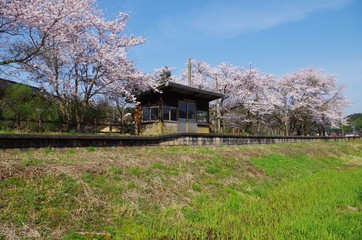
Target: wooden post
(138, 118)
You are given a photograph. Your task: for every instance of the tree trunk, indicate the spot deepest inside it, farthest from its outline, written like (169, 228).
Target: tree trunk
(286, 117)
(18, 121)
(80, 111)
(218, 116)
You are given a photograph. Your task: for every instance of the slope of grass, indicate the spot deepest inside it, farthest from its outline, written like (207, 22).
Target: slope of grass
(287, 191)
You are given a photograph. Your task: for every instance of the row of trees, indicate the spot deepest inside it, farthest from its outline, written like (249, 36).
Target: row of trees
(301, 103)
(27, 109)
(67, 48)
(354, 124)
(18, 103)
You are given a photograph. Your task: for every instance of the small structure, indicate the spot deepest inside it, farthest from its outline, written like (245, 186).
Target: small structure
(175, 108)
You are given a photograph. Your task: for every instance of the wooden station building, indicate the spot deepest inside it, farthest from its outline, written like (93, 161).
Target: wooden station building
(175, 108)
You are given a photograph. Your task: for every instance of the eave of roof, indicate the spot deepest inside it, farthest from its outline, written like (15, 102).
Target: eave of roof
(187, 90)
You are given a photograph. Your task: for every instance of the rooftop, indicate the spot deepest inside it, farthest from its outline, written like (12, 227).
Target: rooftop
(187, 90)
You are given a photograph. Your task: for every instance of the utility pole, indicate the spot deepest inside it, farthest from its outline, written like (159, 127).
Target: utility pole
(189, 67)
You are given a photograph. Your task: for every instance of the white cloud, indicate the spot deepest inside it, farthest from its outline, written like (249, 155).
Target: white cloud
(223, 19)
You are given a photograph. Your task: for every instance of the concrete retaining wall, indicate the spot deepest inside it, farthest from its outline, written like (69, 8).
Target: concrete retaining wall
(216, 139)
(19, 141)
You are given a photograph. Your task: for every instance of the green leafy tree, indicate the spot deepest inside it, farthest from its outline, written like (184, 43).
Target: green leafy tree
(22, 103)
(163, 75)
(354, 123)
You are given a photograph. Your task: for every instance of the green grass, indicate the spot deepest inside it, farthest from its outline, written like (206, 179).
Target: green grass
(291, 165)
(286, 191)
(326, 205)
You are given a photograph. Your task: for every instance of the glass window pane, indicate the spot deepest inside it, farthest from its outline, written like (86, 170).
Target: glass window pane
(146, 113)
(173, 114)
(154, 113)
(182, 109)
(166, 113)
(191, 110)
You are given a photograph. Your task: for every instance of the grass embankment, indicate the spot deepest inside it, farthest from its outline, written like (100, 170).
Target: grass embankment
(286, 191)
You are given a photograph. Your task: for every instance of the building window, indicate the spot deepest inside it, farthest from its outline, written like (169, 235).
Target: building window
(169, 113)
(187, 110)
(150, 114)
(182, 109)
(191, 110)
(202, 117)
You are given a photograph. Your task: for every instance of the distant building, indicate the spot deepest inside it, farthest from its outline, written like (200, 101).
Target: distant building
(175, 108)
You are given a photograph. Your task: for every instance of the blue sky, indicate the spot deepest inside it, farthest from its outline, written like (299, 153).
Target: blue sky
(276, 36)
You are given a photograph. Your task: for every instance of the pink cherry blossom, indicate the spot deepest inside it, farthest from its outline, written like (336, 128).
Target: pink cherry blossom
(71, 50)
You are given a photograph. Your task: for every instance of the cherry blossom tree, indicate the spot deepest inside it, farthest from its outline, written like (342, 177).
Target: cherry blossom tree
(246, 98)
(299, 103)
(72, 51)
(308, 100)
(163, 75)
(251, 101)
(200, 75)
(26, 26)
(219, 79)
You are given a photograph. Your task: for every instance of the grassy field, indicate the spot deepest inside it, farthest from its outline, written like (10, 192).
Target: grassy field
(286, 191)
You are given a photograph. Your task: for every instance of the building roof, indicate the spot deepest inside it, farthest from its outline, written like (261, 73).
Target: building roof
(186, 90)
(4, 83)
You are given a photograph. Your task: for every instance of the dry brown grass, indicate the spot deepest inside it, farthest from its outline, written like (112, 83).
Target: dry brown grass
(31, 163)
(152, 184)
(165, 177)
